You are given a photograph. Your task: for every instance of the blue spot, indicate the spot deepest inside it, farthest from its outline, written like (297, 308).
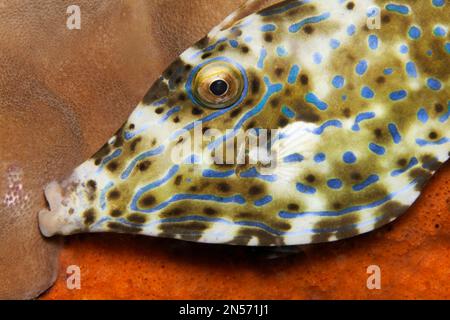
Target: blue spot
(367, 93)
(344, 97)
(361, 117)
(404, 49)
(422, 115)
(398, 95)
(414, 33)
(411, 69)
(234, 43)
(445, 116)
(438, 3)
(334, 183)
(373, 12)
(305, 189)
(393, 130)
(361, 67)
(351, 29)
(320, 157)
(248, 39)
(377, 149)
(334, 43)
(447, 47)
(429, 53)
(192, 159)
(369, 181)
(317, 58)
(388, 71)
(268, 27)
(293, 74)
(288, 112)
(297, 26)
(208, 173)
(373, 42)
(439, 31)
(338, 82)
(312, 98)
(349, 157)
(281, 51)
(434, 84)
(263, 201)
(262, 56)
(295, 157)
(401, 9)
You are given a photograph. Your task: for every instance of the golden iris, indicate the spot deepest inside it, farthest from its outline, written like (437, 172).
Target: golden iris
(218, 85)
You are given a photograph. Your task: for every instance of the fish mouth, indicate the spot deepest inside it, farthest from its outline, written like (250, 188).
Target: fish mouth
(53, 219)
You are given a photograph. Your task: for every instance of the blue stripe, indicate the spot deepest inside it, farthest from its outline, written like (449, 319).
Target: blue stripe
(375, 204)
(393, 130)
(169, 113)
(208, 173)
(366, 183)
(411, 164)
(263, 201)
(312, 98)
(422, 142)
(180, 197)
(253, 173)
(293, 74)
(103, 195)
(377, 149)
(288, 112)
(305, 189)
(297, 26)
(401, 9)
(271, 89)
(142, 156)
(361, 117)
(329, 123)
(268, 27)
(262, 56)
(285, 8)
(295, 157)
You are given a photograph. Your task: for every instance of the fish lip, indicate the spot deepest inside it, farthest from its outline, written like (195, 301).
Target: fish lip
(49, 220)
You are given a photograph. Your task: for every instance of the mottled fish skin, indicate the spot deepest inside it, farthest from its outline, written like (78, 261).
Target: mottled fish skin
(364, 115)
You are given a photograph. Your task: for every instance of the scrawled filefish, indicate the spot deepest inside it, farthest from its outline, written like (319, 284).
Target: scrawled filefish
(349, 105)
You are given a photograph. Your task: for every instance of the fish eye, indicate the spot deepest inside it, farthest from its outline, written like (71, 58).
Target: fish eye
(218, 85)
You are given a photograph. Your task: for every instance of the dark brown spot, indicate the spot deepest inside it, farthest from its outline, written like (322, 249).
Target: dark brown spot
(144, 165)
(209, 211)
(112, 166)
(421, 177)
(255, 85)
(147, 201)
(304, 79)
(282, 122)
(310, 178)
(433, 135)
(137, 218)
(116, 213)
(223, 186)
(268, 37)
(118, 227)
(89, 217)
(254, 190)
(386, 18)
(159, 110)
(92, 185)
(279, 71)
(350, 5)
(244, 49)
(378, 133)
(235, 112)
(438, 107)
(134, 143)
(196, 111)
(114, 194)
(131, 126)
(206, 55)
(293, 207)
(308, 29)
(381, 79)
(402, 162)
(355, 176)
(178, 180)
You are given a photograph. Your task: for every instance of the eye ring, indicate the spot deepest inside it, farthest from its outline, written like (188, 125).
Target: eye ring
(218, 84)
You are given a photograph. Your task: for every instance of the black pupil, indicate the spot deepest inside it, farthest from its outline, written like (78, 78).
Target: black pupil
(218, 87)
